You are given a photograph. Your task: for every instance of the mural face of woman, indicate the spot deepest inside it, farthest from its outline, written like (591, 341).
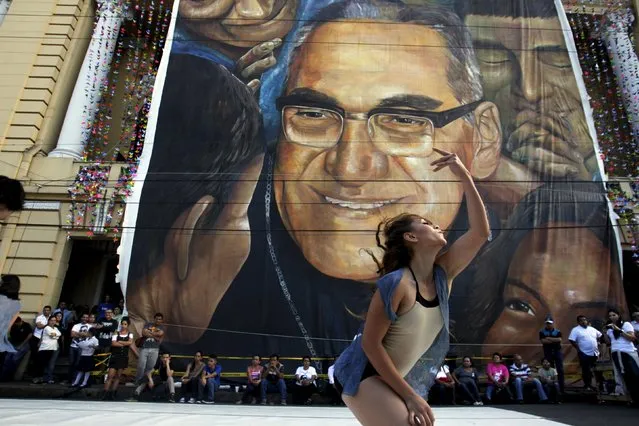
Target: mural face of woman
(560, 270)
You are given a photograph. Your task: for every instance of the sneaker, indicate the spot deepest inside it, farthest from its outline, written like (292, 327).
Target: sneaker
(199, 401)
(263, 402)
(283, 403)
(476, 403)
(192, 401)
(239, 402)
(209, 402)
(133, 398)
(172, 398)
(182, 400)
(51, 382)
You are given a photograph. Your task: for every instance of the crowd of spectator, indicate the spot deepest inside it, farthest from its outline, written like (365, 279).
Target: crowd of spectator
(104, 331)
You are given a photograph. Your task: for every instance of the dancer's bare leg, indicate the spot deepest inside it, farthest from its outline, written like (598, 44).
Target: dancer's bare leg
(376, 404)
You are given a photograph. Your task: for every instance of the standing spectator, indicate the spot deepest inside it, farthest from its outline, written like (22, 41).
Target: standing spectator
(332, 391)
(254, 377)
(273, 379)
(192, 386)
(86, 364)
(79, 332)
(149, 344)
(211, 378)
(48, 345)
(585, 339)
(105, 329)
(48, 372)
(550, 338)
(498, 378)
(445, 385)
(120, 345)
(105, 306)
(19, 336)
(466, 378)
(621, 337)
(520, 377)
(40, 323)
(117, 315)
(11, 197)
(305, 377)
(548, 377)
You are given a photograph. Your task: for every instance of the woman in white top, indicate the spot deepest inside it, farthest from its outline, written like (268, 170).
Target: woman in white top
(620, 335)
(48, 346)
(305, 377)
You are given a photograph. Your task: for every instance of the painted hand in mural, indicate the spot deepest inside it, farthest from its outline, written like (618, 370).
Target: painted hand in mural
(256, 61)
(544, 144)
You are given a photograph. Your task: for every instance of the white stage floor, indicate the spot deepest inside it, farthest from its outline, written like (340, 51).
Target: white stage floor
(23, 412)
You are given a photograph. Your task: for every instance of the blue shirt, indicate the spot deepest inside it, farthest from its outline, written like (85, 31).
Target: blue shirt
(218, 369)
(351, 363)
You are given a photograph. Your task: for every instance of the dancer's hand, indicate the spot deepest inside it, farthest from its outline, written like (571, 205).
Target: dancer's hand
(419, 412)
(450, 160)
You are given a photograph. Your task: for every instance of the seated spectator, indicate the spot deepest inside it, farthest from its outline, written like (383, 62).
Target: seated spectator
(165, 381)
(466, 378)
(549, 379)
(192, 386)
(305, 386)
(211, 378)
(254, 377)
(444, 385)
(19, 336)
(86, 364)
(520, 378)
(48, 345)
(273, 379)
(498, 378)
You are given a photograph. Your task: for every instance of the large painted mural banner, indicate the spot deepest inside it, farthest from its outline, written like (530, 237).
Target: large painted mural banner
(284, 131)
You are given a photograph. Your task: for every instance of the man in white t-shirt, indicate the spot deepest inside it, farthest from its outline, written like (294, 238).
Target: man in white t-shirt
(585, 339)
(305, 377)
(40, 323)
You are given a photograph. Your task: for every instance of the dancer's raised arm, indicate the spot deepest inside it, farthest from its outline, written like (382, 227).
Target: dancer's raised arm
(462, 251)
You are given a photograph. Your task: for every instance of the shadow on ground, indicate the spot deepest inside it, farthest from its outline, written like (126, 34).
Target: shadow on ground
(581, 414)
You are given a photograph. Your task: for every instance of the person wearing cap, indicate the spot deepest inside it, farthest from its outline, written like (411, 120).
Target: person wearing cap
(550, 338)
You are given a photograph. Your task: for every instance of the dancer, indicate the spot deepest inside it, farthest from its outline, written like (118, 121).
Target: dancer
(406, 329)
(9, 309)
(119, 358)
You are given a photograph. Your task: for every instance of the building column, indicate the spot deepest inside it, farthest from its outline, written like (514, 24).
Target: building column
(4, 8)
(92, 78)
(625, 63)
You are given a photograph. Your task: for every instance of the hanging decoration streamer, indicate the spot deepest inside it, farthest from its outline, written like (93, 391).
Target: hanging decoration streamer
(606, 56)
(126, 92)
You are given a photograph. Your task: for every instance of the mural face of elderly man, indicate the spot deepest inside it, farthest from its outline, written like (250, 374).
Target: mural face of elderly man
(366, 101)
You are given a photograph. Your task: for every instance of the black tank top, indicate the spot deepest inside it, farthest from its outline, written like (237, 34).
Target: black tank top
(419, 298)
(121, 350)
